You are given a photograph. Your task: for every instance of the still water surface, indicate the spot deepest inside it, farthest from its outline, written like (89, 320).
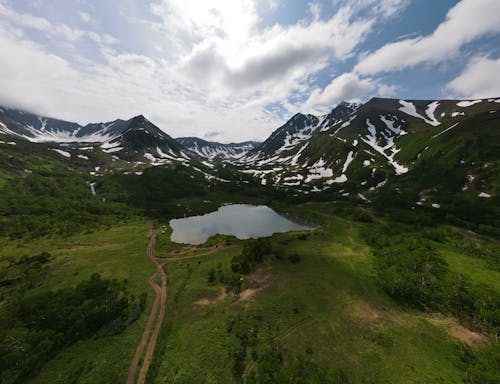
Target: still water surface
(241, 220)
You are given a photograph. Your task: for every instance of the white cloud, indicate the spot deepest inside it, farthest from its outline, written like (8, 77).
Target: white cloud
(216, 71)
(383, 8)
(228, 51)
(465, 22)
(25, 19)
(59, 30)
(200, 68)
(124, 86)
(386, 90)
(388, 8)
(85, 17)
(479, 79)
(344, 87)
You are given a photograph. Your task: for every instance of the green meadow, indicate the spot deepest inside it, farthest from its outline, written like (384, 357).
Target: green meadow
(115, 253)
(310, 312)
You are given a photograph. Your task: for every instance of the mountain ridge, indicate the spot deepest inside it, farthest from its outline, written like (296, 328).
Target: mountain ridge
(359, 146)
(214, 150)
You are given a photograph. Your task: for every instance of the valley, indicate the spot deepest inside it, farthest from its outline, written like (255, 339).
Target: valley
(396, 281)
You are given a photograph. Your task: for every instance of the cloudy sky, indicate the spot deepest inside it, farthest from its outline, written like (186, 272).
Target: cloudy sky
(233, 70)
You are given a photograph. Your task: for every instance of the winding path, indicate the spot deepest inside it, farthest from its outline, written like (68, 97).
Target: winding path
(146, 347)
(157, 313)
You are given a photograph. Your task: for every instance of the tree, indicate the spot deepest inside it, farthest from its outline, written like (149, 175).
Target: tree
(211, 276)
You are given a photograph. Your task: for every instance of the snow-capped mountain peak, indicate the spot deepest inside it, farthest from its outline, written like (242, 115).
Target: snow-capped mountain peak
(213, 150)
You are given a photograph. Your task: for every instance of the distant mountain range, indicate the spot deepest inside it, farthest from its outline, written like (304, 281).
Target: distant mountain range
(125, 138)
(423, 146)
(362, 145)
(213, 150)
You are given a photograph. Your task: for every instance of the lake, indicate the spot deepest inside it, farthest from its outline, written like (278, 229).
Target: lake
(241, 220)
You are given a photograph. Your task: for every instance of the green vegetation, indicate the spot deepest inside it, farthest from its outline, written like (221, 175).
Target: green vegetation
(411, 270)
(372, 295)
(53, 203)
(61, 283)
(444, 168)
(253, 315)
(253, 253)
(39, 326)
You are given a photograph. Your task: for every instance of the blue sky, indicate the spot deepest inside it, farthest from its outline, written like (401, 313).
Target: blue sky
(233, 70)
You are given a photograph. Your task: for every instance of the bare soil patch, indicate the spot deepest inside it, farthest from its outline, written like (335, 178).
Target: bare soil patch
(258, 280)
(364, 311)
(457, 331)
(213, 300)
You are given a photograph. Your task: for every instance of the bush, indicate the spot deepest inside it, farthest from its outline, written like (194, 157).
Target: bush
(410, 270)
(484, 366)
(411, 273)
(294, 258)
(45, 323)
(253, 253)
(211, 276)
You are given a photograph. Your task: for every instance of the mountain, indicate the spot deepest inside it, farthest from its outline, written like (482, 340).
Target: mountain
(213, 150)
(37, 128)
(136, 140)
(358, 148)
(355, 150)
(340, 112)
(297, 130)
(140, 138)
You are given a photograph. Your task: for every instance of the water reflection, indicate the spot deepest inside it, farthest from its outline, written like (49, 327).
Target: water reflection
(241, 220)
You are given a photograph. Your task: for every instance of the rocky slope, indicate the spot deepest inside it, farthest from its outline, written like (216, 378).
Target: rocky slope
(217, 151)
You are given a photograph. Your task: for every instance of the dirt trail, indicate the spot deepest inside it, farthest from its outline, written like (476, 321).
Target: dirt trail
(157, 313)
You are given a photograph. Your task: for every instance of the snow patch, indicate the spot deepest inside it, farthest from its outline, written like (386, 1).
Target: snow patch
(318, 171)
(112, 150)
(108, 145)
(291, 184)
(210, 165)
(296, 177)
(410, 109)
(371, 140)
(340, 179)
(61, 152)
(483, 194)
(363, 198)
(350, 158)
(295, 159)
(447, 129)
(92, 187)
(390, 125)
(467, 103)
(431, 108)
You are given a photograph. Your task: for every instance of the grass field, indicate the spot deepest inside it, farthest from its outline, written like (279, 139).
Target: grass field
(475, 269)
(324, 314)
(321, 319)
(117, 253)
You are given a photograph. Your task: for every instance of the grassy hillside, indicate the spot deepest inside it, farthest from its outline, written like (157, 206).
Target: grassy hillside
(453, 170)
(318, 317)
(117, 253)
(309, 308)
(394, 291)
